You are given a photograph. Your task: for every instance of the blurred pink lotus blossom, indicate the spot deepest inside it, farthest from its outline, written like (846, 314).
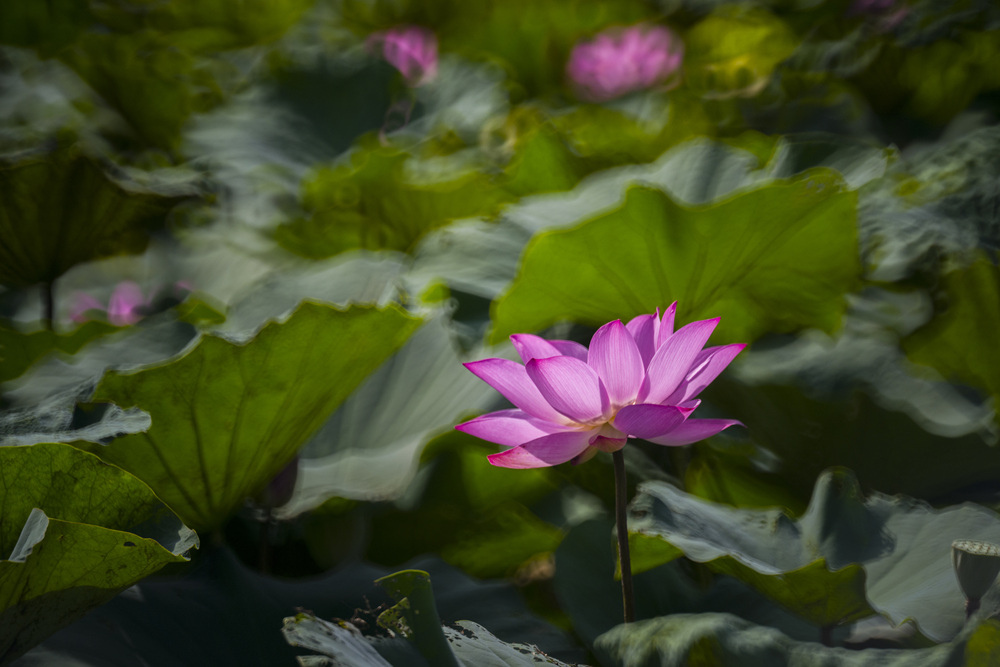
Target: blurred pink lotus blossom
(126, 306)
(412, 50)
(623, 60)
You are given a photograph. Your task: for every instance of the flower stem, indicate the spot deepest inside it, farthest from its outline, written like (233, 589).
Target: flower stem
(48, 304)
(621, 492)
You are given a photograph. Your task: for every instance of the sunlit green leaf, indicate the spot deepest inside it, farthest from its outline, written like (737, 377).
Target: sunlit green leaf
(735, 50)
(75, 532)
(773, 259)
(226, 417)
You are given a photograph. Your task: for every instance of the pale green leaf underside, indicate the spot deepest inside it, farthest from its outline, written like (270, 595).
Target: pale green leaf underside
(226, 417)
(847, 555)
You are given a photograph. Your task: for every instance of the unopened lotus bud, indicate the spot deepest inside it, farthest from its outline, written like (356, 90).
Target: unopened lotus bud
(977, 565)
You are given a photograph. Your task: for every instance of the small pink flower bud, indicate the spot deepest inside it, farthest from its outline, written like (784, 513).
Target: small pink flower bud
(412, 50)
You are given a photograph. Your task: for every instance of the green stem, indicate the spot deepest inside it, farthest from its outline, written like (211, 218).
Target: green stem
(826, 635)
(48, 304)
(621, 492)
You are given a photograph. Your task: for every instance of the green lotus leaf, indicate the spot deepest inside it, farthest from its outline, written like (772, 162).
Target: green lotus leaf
(471, 644)
(19, 350)
(230, 615)
(77, 532)
(845, 558)
(734, 51)
(385, 199)
(59, 208)
(370, 448)
(46, 27)
(957, 342)
(156, 81)
(605, 136)
(773, 259)
(717, 640)
(228, 416)
(533, 40)
(223, 24)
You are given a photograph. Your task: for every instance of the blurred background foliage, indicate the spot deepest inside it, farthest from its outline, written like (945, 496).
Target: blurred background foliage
(822, 174)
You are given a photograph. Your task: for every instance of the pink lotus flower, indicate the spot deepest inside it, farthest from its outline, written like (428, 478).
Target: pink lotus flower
(638, 380)
(412, 50)
(123, 308)
(127, 305)
(620, 61)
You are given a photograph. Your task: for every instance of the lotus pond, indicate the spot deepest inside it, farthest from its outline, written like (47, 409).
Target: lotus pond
(598, 332)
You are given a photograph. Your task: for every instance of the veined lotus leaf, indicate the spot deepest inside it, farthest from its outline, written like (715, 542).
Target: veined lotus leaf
(228, 416)
(59, 208)
(370, 447)
(75, 532)
(777, 258)
(845, 558)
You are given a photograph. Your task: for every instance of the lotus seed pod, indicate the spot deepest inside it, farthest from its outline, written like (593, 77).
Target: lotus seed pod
(976, 564)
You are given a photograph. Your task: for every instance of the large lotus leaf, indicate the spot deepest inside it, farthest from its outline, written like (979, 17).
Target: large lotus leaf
(370, 448)
(46, 27)
(362, 278)
(593, 599)
(607, 136)
(471, 644)
(958, 341)
(386, 199)
(60, 208)
(696, 172)
(58, 375)
(222, 614)
(474, 514)
(773, 259)
(222, 24)
(735, 50)
(806, 434)
(77, 532)
(19, 350)
(227, 416)
(155, 80)
(844, 554)
(719, 639)
(938, 197)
